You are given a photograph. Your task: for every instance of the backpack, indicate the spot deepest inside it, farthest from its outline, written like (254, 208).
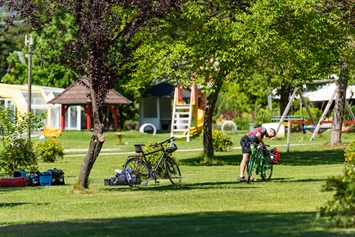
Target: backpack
(57, 177)
(33, 179)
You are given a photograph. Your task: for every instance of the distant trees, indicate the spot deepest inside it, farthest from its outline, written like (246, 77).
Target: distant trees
(105, 34)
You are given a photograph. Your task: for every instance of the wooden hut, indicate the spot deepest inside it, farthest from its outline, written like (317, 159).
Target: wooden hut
(78, 95)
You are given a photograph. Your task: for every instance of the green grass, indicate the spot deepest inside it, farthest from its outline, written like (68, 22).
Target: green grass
(210, 202)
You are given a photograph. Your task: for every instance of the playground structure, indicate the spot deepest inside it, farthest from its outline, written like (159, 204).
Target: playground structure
(317, 126)
(188, 113)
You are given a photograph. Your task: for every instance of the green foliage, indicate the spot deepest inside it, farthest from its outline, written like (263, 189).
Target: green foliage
(221, 141)
(316, 113)
(131, 125)
(17, 151)
(49, 150)
(10, 42)
(341, 209)
(16, 155)
(46, 67)
(262, 116)
(242, 122)
(346, 112)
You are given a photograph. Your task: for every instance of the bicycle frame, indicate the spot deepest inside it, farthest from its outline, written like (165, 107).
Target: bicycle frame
(139, 167)
(260, 164)
(152, 172)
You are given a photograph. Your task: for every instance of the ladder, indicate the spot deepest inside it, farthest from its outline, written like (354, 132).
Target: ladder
(181, 121)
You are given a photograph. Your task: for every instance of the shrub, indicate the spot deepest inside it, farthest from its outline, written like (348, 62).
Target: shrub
(220, 141)
(131, 125)
(18, 155)
(262, 116)
(242, 123)
(49, 150)
(341, 209)
(17, 150)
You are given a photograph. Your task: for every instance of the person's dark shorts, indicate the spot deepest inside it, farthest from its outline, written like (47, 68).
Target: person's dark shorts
(245, 144)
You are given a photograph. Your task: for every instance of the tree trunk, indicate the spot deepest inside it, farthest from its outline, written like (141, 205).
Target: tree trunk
(207, 125)
(336, 128)
(95, 145)
(285, 93)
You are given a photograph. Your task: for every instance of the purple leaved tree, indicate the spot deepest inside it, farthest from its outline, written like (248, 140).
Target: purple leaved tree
(104, 34)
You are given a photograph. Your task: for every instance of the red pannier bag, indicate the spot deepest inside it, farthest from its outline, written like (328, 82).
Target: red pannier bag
(274, 156)
(13, 182)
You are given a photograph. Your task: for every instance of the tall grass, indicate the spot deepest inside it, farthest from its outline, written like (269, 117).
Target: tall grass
(210, 202)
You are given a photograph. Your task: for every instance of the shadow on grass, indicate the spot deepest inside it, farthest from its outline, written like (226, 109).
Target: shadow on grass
(297, 158)
(191, 186)
(205, 185)
(192, 224)
(13, 204)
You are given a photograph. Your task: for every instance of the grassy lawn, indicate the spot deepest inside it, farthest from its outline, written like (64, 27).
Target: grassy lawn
(210, 202)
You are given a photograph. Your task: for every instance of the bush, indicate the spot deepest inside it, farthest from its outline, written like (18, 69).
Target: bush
(49, 150)
(18, 155)
(262, 116)
(220, 141)
(242, 123)
(341, 209)
(17, 150)
(131, 125)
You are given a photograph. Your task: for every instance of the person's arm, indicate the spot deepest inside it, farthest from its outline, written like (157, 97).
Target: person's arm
(258, 136)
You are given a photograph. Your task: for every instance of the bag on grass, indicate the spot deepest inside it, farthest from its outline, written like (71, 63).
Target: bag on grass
(57, 177)
(33, 179)
(20, 173)
(45, 178)
(13, 182)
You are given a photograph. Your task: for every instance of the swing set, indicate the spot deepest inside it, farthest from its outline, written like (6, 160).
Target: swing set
(317, 125)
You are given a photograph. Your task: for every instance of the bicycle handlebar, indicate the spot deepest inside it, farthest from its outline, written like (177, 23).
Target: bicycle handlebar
(171, 139)
(263, 145)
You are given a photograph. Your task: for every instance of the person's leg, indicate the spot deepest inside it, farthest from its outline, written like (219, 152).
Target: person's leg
(243, 164)
(245, 144)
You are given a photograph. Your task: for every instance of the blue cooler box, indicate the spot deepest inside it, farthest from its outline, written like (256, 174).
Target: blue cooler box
(45, 178)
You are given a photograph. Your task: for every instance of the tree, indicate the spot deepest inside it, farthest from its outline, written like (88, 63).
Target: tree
(13, 41)
(207, 45)
(46, 67)
(308, 40)
(297, 45)
(341, 13)
(106, 33)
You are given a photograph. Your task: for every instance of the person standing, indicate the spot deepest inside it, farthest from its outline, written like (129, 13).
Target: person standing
(254, 137)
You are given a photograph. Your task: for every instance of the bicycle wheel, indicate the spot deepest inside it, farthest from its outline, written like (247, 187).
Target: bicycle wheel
(266, 170)
(250, 166)
(172, 170)
(136, 172)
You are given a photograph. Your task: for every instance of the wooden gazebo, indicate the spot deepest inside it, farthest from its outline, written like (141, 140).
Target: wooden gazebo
(78, 94)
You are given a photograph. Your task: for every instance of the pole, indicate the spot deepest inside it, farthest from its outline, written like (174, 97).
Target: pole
(288, 135)
(287, 109)
(325, 112)
(29, 43)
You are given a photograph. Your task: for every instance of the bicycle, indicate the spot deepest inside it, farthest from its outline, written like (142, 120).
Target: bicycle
(138, 169)
(262, 161)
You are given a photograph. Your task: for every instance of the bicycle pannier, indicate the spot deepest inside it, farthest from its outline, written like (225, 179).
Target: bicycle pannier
(274, 156)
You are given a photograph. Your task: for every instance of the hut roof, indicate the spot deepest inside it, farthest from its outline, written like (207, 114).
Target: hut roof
(77, 94)
(164, 89)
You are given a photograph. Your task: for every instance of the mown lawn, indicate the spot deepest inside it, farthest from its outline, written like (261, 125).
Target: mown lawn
(210, 202)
